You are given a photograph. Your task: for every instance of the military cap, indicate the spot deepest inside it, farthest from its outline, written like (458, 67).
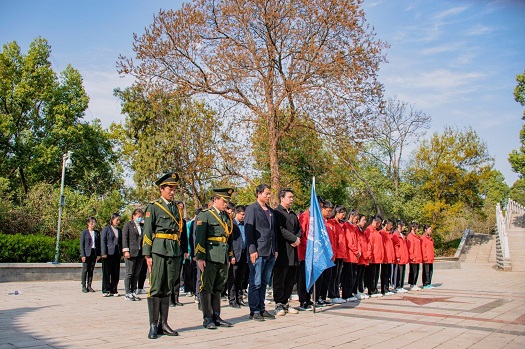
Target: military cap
(225, 193)
(168, 179)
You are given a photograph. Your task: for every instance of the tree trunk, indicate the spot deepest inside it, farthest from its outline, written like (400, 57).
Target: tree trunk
(274, 160)
(23, 179)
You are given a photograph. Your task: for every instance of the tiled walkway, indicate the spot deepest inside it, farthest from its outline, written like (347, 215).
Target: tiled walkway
(472, 307)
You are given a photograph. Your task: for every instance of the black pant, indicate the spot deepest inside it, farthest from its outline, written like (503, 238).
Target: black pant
(110, 273)
(284, 277)
(189, 275)
(322, 283)
(413, 273)
(335, 279)
(142, 274)
(399, 275)
(236, 274)
(428, 270)
(302, 292)
(87, 269)
(359, 285)
(348, 279)
(371, 277)
(133, 269)
(386, 269)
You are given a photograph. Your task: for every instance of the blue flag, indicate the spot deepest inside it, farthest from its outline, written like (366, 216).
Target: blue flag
(318, 248)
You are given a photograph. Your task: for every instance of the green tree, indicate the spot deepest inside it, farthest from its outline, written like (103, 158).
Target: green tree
(517, 157)
(41, 118)
(267, 61)
(164, 131)
(448, 171)
(517, 191)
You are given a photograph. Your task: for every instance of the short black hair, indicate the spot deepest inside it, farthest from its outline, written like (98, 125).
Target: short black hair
(282, 192)
(326, 204)
(240, 208)
(91, 219)
(260, 188)
(340, 209)
(113, 216)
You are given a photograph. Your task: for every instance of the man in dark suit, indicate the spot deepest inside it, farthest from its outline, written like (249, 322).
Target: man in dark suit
(260, 230)
(239, 261)
(90, 252)
(286, 266)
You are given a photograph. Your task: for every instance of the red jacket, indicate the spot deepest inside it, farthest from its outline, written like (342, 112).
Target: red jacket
(352, 243)
(364, 247)
(304, 222)
(330, 229)
(376, 244)
(388, 247)
(400, 248)
(414, 249)
(427, 248)
(340, 239)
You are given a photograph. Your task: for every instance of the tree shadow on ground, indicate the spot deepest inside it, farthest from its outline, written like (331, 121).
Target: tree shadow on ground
(14, 331)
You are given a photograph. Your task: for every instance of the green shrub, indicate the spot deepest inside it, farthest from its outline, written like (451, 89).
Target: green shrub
(20, 248)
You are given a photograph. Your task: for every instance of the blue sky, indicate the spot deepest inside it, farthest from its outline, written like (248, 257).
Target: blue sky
(456, 60)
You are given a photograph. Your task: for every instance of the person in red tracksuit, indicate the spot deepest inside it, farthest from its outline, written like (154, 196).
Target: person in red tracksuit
(376, 258)
(414, 256)
(427, 251)
(388, 257)
(302, 292)
(353, 252)
(323, 282)
(364, 259)
(340, 251)
(401, 257)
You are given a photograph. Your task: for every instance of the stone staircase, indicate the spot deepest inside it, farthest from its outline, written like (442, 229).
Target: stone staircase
(480, 248)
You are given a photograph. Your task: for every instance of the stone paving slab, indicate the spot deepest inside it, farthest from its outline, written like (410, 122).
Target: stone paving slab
(472, 307)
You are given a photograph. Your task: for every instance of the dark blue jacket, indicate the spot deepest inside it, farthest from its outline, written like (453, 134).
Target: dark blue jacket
(260, 233)
(86, 243)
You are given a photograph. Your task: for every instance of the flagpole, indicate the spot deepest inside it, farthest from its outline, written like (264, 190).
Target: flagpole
(315, 299)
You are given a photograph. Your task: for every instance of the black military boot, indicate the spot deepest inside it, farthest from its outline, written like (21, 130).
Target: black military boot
(89, 281)
(153, 310)
(216, 305)
(162, 326)
(207, 311)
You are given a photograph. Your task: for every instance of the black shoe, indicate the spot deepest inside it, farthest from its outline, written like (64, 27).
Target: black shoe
(256, 317)
(208, 323)
(220, 322)
(241, 303)
(85, 290)
(179, 304)
(199, 306)
(235, 305)
(265, 314)
(172, 304)
(90, 289)
(164, 329)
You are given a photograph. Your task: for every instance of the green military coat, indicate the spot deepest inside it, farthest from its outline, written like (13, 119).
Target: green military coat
(160, 225)
(213, 239)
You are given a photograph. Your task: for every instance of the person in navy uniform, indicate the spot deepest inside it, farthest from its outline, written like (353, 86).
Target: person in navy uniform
(163, 246)
(89, 252)
(213, 250)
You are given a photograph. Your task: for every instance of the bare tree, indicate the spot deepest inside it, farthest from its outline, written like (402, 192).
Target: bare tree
(397, 126)
(276, 58)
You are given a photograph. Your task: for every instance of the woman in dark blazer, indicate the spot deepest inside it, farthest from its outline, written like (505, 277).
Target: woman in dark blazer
(89, 252)
(111, 248)
(132, 249)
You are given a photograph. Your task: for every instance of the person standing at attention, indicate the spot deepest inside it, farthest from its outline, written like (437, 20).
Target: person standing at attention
(111, 253)
(163, 247)
(213, 250)
(89, 252)
(260, 230)
(287, 264)
(132, 249)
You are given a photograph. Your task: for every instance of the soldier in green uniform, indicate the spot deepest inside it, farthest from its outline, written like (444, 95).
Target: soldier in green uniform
(213, 249)
(162, 247)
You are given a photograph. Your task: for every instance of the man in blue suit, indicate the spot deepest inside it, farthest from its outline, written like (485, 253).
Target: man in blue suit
(260, 230)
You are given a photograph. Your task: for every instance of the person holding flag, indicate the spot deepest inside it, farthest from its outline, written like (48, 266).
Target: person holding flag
(319, 251)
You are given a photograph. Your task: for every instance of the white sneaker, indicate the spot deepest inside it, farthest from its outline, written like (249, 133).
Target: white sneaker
(295, 297)
(338, 300)
(389, 293)
(401, 290)
(376, 295)
(141, 291)
(279, 311)
(352, 299)
(415, 288)
(291, 310)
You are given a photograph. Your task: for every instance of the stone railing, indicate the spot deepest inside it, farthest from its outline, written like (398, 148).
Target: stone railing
(503, 222)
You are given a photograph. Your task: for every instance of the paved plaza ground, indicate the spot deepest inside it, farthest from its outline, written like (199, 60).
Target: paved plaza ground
(476, 306)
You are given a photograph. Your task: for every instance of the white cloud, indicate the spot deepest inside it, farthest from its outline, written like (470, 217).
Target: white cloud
(451, 12)
(448, 47)
(103, 105)
(480, 30)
